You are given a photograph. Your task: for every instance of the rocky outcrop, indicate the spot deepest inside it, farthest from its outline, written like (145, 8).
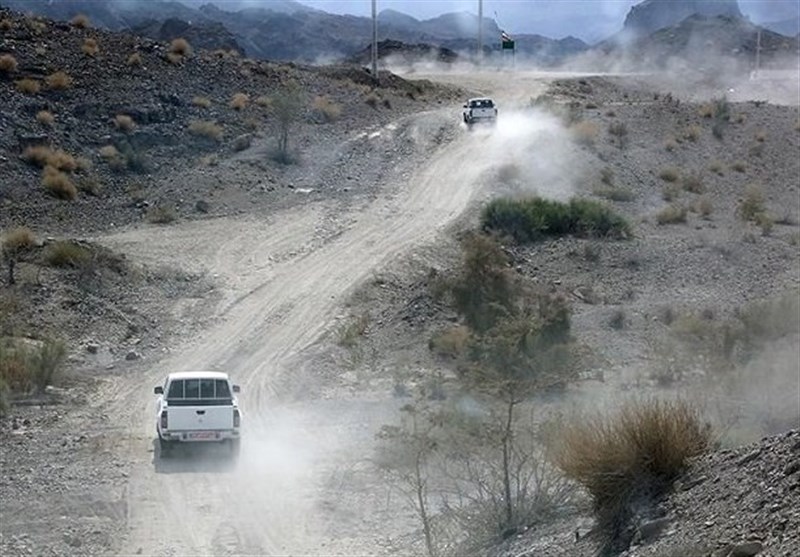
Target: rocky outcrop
(652, 15)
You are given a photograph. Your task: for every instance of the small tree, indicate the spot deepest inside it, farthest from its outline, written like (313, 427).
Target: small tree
(15, 244)
(287, 107)
(406, 455)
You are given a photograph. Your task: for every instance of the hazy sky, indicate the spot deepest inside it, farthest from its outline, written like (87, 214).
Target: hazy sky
(587, 19)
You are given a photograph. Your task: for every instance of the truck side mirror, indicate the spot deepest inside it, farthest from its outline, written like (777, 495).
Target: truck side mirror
(466, 105)
(158, 390)
(236, 388)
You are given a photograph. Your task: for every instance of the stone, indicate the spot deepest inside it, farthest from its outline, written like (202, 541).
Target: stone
(748, 549)
(242, 142)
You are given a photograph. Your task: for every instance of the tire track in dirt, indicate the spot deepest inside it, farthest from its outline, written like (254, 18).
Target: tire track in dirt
(267, 504)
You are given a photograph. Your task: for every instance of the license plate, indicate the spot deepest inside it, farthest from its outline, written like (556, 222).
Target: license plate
(202, 435)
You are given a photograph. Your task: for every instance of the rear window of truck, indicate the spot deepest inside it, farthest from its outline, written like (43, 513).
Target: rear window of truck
(199, 392)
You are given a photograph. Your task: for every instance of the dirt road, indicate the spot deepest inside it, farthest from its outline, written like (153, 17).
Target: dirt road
(301, 485)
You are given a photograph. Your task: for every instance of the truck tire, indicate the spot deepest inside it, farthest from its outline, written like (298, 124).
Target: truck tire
(164, 448)
(234, 446)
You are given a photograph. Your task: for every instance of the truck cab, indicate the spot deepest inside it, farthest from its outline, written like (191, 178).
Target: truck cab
(197, 407)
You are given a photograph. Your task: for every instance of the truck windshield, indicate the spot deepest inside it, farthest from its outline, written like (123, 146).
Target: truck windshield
(199, 392)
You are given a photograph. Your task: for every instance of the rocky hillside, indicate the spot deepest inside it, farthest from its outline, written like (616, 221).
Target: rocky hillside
(652, 15)
(291, 31)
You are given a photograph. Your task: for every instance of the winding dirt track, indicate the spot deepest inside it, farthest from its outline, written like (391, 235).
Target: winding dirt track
(287, 493)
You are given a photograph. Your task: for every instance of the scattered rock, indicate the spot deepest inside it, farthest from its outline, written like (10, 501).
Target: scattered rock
(748, 549)
(242, 142)
(133, 355)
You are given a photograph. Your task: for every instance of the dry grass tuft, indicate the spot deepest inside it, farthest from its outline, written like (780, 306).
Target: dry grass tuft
(326, 108)
(161, 214)
(8, 64)
(692, 133)
(174, 59)
(716, 167)
(704, 207)
(64, 253)
(90, 46)
(180, 47)
(239, 101)
(451, 343)
(670, 144)
(135, 60)
(761, 136)
(264, 101)
(28, 86)
(109, 152)
(201, 102)
(631, 457)
(18, 239)
(752, 204)
(124, 122)
(693, 182)
(58, 81)
(204, 128)
(739, 166)
(673, 213)
(58, 184)
(81, 21)
(45, 117)
(42, 156)
(6, 24)
(669, 174)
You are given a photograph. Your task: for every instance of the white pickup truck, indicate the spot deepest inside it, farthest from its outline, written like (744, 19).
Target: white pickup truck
(479, 110)
(197, 407)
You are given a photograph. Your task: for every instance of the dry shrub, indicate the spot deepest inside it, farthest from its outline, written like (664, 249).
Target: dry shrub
(704, 207)
(451, 343)
(670, 144)
(58, 184)
(90, 46)
(264, 101)
(716, 167)
(124, 122)
(739, 166)
(58, 81)
(752, 204)
(135, 59)
(693, 182)
(326, 108)
(90, 185)
(19, 239)
(174, 59)
(761, 136)
(692, 133)
(80, 21)
(585, 133)
(669, 174)
(45, 117)
(632, 458)
(239, 101)
(706, 110)
(28, 86)
(41, 156)
(372, 100)
(64, 253)
(180, 47)
(201, 102)
(204, 128)
(161, 214)
(671, 192)
(6, 24)
(8, 63)
(673, 213)
(109, 152)
(29, 366)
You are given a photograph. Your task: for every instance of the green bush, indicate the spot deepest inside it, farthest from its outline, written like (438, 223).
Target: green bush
(532, 219)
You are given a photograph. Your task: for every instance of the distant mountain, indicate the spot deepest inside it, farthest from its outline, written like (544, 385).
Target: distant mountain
(705, 43)
(788, 27)
(288, 30)
(652, 15)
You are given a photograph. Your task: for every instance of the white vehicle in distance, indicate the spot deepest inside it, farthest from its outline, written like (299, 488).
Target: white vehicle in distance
(481, 110)
(197, 407)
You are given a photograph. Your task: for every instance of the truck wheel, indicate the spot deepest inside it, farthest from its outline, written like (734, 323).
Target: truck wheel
(164, 448)
(234, 445)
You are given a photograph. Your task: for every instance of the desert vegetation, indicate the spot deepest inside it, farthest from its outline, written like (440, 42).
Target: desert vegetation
(90, 47)
(532, 219)
(239, 101)
(45, 117)
(58, 81)
(629, 459)
(204, 128)
(81, 21)
(28, 86)
(287, 107)
(8, 64)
